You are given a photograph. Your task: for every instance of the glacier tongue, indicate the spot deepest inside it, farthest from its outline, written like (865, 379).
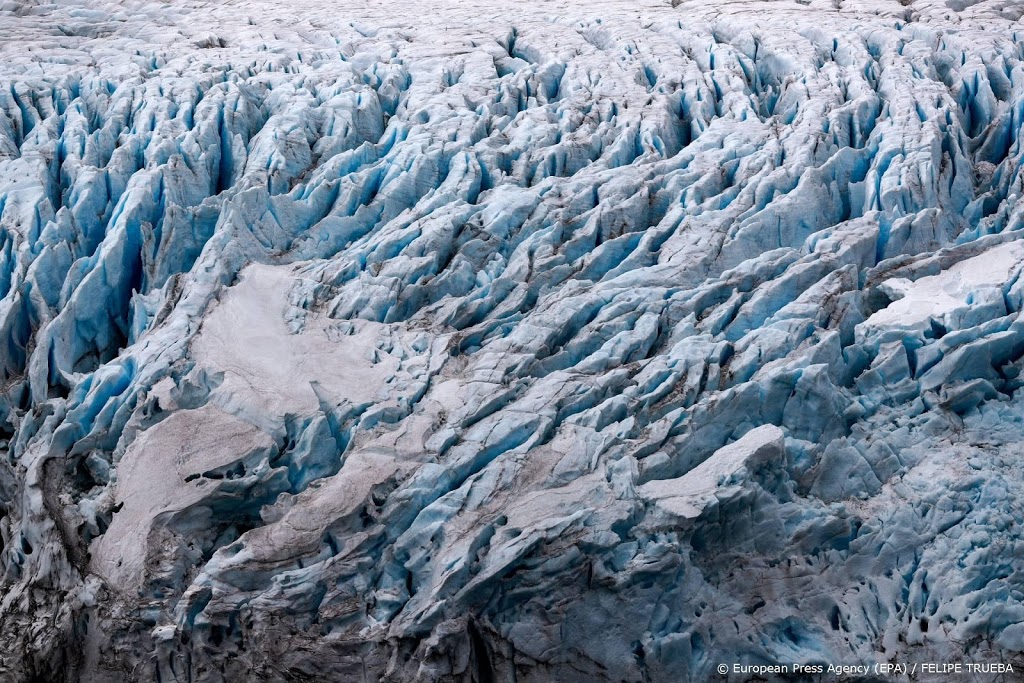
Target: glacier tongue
(583, 341)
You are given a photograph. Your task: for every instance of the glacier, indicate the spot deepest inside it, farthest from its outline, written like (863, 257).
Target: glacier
(481, 341)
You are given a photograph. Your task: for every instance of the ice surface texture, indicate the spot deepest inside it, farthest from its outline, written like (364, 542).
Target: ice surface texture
(555, 341)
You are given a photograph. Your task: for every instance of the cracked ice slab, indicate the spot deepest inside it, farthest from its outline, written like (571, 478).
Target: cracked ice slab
(951, 292)
(718, 477)
(271, 352)
(160, 475)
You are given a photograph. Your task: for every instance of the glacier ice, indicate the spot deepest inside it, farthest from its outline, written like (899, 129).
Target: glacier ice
(575, 341)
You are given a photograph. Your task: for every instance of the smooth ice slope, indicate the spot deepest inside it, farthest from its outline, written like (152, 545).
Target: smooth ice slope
(492, 341)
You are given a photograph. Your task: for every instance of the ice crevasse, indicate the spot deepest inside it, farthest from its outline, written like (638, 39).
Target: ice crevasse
(484, 342)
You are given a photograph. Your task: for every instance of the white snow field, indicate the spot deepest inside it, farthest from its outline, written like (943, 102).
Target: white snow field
(494, 341)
